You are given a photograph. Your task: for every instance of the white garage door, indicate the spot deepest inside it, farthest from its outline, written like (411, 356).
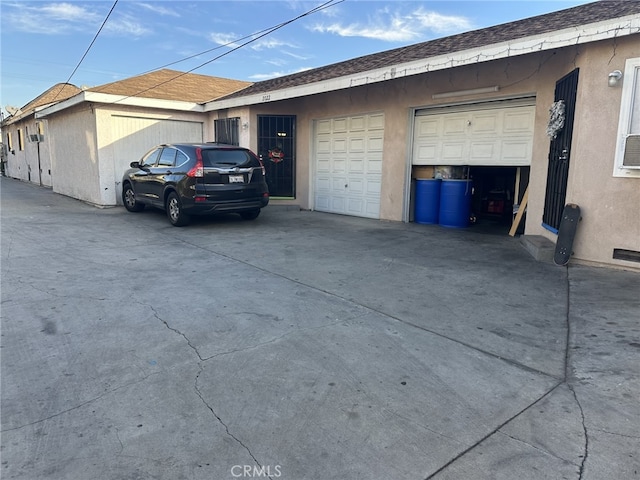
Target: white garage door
(496, 133)
(348, 165)
(137, 135)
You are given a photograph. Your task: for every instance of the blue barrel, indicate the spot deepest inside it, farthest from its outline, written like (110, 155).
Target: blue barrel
(427, 200)
(455, 203)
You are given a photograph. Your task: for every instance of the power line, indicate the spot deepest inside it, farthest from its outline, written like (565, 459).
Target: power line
(254, 37)
(95, 37)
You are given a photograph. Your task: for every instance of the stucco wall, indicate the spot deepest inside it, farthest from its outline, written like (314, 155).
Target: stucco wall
(32, 163)
(610, 205)
(74, 156)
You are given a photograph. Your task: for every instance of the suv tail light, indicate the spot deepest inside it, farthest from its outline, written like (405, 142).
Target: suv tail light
(264, 172)
(198, 169)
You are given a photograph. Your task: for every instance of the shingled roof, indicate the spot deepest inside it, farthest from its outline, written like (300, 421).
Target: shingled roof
(563, 19)
(57, 93)
(173, 85)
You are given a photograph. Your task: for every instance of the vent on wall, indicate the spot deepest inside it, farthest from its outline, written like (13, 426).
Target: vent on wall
(36, 138)
(631, 157)
(629, 255)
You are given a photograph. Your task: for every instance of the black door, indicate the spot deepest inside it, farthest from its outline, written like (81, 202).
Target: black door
(560, 125)
(277, 147)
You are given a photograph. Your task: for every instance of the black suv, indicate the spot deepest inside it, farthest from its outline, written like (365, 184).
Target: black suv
(188, 179)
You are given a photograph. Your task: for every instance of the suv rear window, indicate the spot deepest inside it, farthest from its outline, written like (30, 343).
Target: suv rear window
(228, 158)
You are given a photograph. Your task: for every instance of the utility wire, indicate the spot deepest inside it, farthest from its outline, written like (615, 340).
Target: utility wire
(253, 37)
(95, 37)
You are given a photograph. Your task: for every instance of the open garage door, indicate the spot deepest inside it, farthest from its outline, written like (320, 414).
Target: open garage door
(348, 165)
(137, 135)
(490, 134)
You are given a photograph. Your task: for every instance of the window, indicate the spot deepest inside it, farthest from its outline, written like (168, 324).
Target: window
(20, 140)
(227, 130)
(150, 159)
(9, 141)
(167, 158)
(627, 163)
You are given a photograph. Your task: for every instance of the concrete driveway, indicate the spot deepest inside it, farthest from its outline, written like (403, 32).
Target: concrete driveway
(305, 345)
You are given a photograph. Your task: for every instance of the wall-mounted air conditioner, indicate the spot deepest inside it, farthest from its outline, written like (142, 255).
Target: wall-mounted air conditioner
(631, 157)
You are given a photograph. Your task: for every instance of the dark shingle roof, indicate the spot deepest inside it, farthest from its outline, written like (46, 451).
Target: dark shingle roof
(55, 94)
(572, 17)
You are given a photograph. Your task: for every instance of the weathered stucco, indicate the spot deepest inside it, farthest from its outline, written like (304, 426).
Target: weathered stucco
(609, 205)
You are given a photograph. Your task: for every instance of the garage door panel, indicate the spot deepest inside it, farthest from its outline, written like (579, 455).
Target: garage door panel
(357, 124)
(483, 135)
(135, 136)
(348, 173)
(518, 122)
(374, 167)
(340, 125)
(375, 144)
(376, 121)
(517, 153)
(356, 165)
(339, 145)
(356, 145)
(485, 124)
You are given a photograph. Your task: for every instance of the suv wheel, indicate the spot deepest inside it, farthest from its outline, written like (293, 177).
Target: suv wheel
(250, 214)
(129, 199)
(174, 211)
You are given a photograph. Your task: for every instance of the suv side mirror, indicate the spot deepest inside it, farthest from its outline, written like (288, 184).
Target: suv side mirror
(134, 164)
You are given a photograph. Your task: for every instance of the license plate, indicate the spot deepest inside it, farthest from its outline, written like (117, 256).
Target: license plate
(236, 178)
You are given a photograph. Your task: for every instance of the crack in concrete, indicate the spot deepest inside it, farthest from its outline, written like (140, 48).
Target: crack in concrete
(615, 433)
(83, 404)
(226, 427)
(494, 431)
(564, 381)
(561, 381)
(546, 452)
(586, 434)
(567, 366)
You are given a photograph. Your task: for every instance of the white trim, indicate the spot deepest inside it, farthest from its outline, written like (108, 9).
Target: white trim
(630, 94)
(612, 28)
(108, 99)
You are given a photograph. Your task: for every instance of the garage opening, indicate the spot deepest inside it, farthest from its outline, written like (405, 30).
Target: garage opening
(496, 191)
(478, 157)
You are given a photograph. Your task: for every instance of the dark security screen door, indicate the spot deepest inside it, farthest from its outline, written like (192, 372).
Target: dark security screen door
(559, 154)
(277, 147)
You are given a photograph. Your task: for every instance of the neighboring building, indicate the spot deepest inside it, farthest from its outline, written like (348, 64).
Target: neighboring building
(92, 135)
(349, 138)
(26, 147)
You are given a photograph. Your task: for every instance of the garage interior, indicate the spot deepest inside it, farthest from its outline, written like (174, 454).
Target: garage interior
(495, 192)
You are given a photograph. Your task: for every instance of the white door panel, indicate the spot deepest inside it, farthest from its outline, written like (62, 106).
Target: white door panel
(480, 136)
(348, 165)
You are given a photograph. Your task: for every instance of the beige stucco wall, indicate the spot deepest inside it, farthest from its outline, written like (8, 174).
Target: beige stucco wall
(33, 162)
(74, 159)
(610, 205)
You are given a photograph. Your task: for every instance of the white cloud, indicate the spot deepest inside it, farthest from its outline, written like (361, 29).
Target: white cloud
(160, 10)
(266, 76)
(51, 19)
(267, 43)
(125, 25)
(226, 39)
(66, 18)
(397, 27)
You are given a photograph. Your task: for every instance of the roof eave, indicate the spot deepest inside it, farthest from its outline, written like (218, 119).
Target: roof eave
(109, 99)
(593, 32)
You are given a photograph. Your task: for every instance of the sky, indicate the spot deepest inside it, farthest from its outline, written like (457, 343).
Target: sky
(90, 43)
